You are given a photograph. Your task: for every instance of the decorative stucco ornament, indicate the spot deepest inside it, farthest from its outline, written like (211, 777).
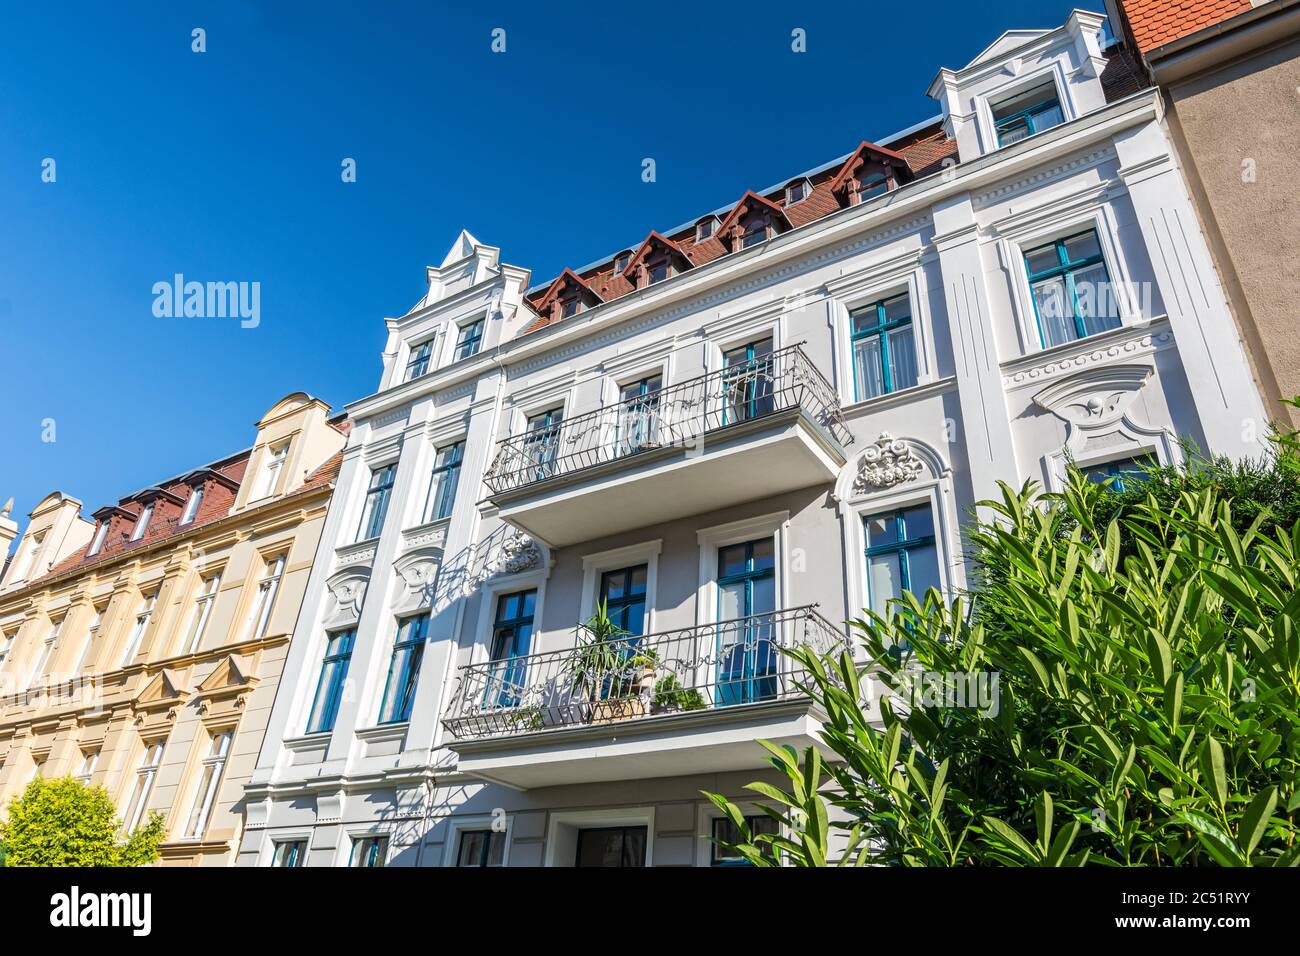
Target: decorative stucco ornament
(889, 461)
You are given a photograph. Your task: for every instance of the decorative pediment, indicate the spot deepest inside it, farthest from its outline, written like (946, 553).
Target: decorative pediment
(749, 206)
(569, 286)
(887, 462)
(866, 157)
(347, 588)
(161, 698)
(1096, 397)
(654, 248)
(227, 686)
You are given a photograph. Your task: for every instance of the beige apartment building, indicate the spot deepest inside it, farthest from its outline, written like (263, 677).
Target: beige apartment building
(141, 649)
(1229, 72)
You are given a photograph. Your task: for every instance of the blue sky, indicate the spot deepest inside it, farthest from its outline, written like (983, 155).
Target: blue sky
(225, 166)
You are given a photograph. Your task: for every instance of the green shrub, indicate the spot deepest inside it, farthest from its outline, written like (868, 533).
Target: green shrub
(1146, 648)
(67, 823)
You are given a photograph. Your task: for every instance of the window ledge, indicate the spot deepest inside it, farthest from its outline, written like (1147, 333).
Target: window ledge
(900, 397)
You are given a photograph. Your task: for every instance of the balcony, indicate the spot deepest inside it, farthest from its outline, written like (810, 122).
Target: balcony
(682, 702)
(738, 434)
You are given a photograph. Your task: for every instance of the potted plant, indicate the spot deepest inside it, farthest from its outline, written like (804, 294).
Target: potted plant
(609, 671)
(670, 697)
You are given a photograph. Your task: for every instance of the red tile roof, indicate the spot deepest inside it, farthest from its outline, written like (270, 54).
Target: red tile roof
(1157, 22)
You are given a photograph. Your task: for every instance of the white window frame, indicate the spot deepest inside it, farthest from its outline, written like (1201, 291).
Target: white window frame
(213, 768)
(136, 637)
(984, 102)
(595, 819)
(354, 835)
(807, 190)
(97, 544)
(265, 591)
(712, 222)
(303, 837)
(47, 651)
(146, 774)
(92, 631)
(276, 456)
(201, 612)
(192, 504)
(89, 760)
(142, 522)
(706, 813)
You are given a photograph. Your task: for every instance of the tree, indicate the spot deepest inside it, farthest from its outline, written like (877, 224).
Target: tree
(65, 822)
(1145, 646)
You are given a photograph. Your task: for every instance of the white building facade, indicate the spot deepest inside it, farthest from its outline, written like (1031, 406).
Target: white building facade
(736, 452)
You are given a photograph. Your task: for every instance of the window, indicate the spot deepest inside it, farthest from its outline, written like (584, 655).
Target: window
(275, 459)
(704, 229)
(884, 352)
(442, 486)
(470, 339)
(376, 507)
(748, 382)
(746, 646)
(724, 831)
(543, 442)
(871, 186)
(192, 505)
(137, 632)
(100, 534)
(621, 261)
(142, 522)
(611, 847)
(512, 638)
(92, 633)
(202, 611)
(418, 363)
(144, 778)
(209, 780)
(901, 555)
(38, 766)
(329, 689)
(1027, 113)
(89, 759)
(29, 559)
(289, 853)
(370, 851)
(658, 271)
(1071, 289)
(264, 600)
(1121, 474)
(623, 593)
(47, 651)
(755, 233)
(404, 670)
(638, 418)
(481, 848)
(6, 642)
(796, 192)
(569, 307)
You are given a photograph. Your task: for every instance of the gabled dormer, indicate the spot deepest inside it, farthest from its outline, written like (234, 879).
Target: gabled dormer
(55, 530)
(1025, 83)
(294, 438)
(472, 303)
(870, 171)
(752, 220)
(655, 260)
(568, 295)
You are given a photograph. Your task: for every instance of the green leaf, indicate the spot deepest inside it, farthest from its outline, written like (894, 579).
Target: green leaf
(1255, 820)
(1214, 770)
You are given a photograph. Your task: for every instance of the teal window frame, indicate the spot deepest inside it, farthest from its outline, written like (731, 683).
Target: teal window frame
(1029, 118)
(640, 414)
(543, 441)
(294, 853)
(507, 650)
(444, 480)
(378, 495)
(754, 676)
(757, 823)
(373, 850)
(881, 329)
(755, 376)
(469, 339)
(620, 608)
(1113, 473)
(902, 546)
(1066, 268)
(404, 669)
(329, 686)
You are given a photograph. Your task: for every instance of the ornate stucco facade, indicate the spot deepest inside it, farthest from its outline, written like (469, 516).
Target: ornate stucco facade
(142, 650)
(708, 430)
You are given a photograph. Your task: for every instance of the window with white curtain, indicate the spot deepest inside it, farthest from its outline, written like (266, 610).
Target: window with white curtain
(209, 781)
(202, 611)
(264, 600)
(145, 774)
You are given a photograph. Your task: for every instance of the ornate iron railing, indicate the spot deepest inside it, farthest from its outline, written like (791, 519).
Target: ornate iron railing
(704, 667)
(680, 416)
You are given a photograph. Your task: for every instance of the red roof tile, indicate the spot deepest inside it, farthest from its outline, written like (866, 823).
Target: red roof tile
(1157, 22)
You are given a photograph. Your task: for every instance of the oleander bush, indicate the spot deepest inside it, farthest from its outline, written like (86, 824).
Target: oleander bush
(65, 822)
(1146, 651)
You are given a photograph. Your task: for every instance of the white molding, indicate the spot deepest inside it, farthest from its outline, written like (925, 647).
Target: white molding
(593, 819)
(594, 565)
(776, 524)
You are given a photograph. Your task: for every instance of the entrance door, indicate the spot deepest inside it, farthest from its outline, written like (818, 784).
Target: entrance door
(611, 846)
(746, 622)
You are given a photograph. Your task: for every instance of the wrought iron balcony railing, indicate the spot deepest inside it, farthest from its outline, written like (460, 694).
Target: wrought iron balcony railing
(706, 667)
(679, 416)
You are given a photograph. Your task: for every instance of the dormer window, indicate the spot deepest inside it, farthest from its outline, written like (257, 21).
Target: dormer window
(142, 522)
(418, 363)
(100, 534)
(797, 191)
(871, 186)
(659, 271)
(1026, 113)
(470, 339)
(755, 232)
(705, 228)
(275, 458)
(569, 306)
(657, 259)
(621, 260)
(192, 505)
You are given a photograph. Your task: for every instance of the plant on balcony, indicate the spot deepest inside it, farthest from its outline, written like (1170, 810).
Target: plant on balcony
(671, 697)
(605, 669)
(1145, 645)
